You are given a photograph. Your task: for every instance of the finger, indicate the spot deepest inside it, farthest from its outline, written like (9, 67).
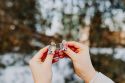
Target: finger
(40, 53)
(49, 58)
(70, 53)
(75, 44)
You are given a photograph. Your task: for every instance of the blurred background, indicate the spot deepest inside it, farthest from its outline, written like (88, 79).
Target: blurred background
(28, 25)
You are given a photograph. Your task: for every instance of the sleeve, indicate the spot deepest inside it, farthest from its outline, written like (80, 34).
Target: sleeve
(101, 78)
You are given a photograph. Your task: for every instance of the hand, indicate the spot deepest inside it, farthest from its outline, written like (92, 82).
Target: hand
(81, 61)
(41, 70)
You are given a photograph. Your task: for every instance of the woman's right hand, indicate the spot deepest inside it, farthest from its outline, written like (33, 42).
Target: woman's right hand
(42, 70)
(82, 63)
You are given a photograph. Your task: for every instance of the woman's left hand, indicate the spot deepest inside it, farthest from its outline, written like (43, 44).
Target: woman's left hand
(42, 70)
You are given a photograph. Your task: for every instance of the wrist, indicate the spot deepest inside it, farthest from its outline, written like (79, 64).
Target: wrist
(42, 81)
(89, 74)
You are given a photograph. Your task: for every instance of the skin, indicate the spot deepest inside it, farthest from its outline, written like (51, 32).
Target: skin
(42, 71)
(81, 61)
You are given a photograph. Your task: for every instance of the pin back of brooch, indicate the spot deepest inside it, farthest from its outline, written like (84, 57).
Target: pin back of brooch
(52, 48)
(63, 45)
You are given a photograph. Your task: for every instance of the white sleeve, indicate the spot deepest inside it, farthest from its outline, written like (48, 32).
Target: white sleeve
(101, 78)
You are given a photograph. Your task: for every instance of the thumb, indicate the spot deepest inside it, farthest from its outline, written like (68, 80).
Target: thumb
(49, 58)
(70, 53)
